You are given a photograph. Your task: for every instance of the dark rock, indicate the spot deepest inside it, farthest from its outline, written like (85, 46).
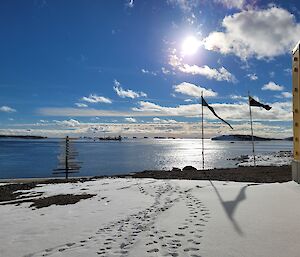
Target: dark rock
(189, 168)
(59, 200)
(175, 169)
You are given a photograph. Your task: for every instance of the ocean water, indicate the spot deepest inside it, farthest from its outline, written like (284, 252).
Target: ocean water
(37, 158)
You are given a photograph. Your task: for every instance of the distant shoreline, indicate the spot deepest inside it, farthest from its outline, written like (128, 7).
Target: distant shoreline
(22, 137)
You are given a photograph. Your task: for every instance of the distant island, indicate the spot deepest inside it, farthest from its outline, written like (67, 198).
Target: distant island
(245, 138)
(22, 137)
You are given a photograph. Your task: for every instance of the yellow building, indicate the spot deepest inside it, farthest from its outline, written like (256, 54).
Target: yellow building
(296, 112)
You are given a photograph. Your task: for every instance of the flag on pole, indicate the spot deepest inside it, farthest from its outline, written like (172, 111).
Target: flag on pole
(204, 103)
(255, 103)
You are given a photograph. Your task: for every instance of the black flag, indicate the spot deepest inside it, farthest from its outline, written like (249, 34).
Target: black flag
(204, 103)
(254, 103)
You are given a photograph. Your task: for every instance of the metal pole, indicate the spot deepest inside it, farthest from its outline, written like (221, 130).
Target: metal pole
(253, 151)
(202, 132)
(67, 157)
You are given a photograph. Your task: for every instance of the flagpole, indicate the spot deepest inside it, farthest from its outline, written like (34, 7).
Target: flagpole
(253, 151)
(202, 131)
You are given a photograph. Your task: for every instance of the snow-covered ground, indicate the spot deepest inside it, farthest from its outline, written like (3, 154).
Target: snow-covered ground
(147, 217)
(267, 159)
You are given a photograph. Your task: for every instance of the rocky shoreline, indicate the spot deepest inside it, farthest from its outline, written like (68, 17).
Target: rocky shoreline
(258, 174)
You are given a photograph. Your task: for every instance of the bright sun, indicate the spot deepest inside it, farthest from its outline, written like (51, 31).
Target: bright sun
(190, 45)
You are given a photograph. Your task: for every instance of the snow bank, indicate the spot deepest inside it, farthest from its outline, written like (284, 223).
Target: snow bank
(147, 217)
(268, 159)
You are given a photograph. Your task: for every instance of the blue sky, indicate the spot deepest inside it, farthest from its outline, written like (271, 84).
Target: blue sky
(139, 67)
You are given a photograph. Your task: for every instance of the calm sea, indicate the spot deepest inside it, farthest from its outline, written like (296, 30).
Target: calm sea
(37, 158)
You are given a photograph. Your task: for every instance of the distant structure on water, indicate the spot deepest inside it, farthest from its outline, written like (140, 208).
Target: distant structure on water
(67, 159)
(119, 138)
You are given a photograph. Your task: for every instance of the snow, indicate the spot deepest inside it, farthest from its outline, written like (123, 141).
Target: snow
(148, 217)
(270, 159)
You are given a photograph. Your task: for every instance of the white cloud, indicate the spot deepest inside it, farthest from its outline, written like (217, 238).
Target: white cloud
(238, 97)
(252, 76)
(6, 109)
(272, 86)
(148, 72)
(272, 74)
(256, 33)
(117, 83)
(193, 90)
(92, 98)
(285, 95)
(165, 71)
(68, 123)
(174, 60)
(185, 5)
(130, 119)
(127, 93)
(288, 71)
(237, 4)
(158, 120)
(81, 105)
(221, 74)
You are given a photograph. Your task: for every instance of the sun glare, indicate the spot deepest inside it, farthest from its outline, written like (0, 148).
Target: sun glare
(190, 45)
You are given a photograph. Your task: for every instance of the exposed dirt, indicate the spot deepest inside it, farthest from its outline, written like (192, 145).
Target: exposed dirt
(59, 200)
(9, 192)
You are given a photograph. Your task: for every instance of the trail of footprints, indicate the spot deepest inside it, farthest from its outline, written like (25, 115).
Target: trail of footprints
(187, 237)
(118, 238)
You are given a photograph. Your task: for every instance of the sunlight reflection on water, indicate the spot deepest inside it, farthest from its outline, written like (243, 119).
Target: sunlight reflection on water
(37, 158)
